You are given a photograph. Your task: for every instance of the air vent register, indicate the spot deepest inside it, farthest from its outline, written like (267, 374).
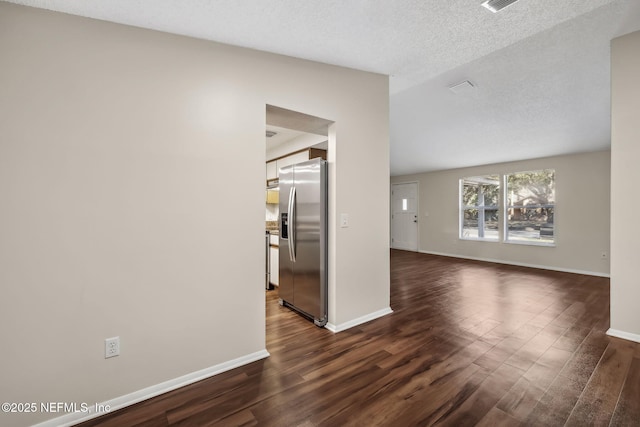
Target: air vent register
(497, 5)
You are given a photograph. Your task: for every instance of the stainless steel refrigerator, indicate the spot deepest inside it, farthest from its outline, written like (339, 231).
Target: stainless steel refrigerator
(303, 239)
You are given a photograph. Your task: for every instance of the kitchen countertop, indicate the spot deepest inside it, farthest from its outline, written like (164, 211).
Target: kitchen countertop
(271, 227)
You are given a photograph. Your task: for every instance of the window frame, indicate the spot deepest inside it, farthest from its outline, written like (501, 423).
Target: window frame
(506, 207)
(462, 208)
(502, 209)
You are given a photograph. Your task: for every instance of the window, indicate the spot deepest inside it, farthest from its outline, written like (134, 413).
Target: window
(479, 208)
(523, 214)
(530, 205)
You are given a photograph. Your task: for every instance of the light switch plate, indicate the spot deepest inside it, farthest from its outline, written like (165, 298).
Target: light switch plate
(344, 220)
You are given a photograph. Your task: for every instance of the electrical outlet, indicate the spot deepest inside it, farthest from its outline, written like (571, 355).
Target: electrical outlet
(604, 255)
(111, 347)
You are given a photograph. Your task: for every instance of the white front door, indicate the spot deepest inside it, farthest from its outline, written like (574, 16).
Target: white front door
(404, 216)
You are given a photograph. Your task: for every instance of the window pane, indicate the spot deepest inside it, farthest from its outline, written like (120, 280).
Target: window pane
(530, 207)
(531, 225)
(531, 188)
(474, 227)
(480, 190)
(404, 204)
(491, 193)
(479, 199)
(469, 194)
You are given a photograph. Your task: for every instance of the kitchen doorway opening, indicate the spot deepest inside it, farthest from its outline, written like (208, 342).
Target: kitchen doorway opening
(291, 138)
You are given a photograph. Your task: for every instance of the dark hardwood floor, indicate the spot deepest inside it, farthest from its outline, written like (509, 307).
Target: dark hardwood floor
(469, 343)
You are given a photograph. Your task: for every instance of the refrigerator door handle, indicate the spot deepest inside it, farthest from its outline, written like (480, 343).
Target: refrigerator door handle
(290, 213)
(292, 224)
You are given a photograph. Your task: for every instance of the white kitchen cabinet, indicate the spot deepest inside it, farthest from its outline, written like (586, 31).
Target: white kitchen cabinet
(302, 156)
(274, 263)
(272, 169)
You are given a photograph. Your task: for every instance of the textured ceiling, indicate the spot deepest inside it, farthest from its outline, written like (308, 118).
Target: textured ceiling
(546, 95)
(540, 66)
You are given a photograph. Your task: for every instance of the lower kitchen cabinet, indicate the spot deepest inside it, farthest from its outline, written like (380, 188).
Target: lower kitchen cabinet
(274, 269)
(274, 261)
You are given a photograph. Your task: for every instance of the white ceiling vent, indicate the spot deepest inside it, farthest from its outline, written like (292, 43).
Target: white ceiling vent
(462, 88)
(496, 5)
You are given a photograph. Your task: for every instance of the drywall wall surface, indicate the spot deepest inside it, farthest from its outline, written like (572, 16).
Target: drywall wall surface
(625, 175)
(581, 214)
(119, 148)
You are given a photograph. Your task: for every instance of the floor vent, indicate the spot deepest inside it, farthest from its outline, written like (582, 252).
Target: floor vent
(497, 5)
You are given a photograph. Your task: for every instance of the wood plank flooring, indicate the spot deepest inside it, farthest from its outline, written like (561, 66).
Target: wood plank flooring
(469, 343)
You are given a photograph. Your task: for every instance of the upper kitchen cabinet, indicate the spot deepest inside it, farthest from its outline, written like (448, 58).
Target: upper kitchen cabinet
(293, 159)
(272, 170)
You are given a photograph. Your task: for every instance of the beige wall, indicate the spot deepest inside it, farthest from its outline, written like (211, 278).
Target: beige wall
(625, 175)
(582, 182)
(120, 150)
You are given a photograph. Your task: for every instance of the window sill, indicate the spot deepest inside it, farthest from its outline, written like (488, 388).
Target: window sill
(514, 242)
(471, 239)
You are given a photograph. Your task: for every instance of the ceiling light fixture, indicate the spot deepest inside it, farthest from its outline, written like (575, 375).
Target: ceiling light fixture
(497, 5)
(462, 87)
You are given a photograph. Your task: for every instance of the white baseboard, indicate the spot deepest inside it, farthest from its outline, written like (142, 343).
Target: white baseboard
(358, 321)
(624, 335)
(155, 390)
(521, 264)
